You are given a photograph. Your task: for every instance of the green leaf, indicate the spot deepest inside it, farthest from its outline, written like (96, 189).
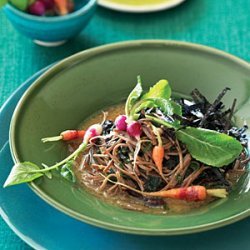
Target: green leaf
(20, 4)
(3, 2)
(157, 97)
(210, 147)
(23, 172)
(165, 105)
(177, 109)
(160, 90)
(133, 97)
(67, 172)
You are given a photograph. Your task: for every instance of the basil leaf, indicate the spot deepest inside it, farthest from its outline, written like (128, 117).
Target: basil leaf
(160, 90)
(3, 2)
(133, 97)
(20, 4)
(22, 172)
(210, 147)
(67, 172)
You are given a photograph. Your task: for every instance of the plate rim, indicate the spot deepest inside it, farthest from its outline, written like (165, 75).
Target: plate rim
(95, 51)
(6, 105)
(25, 237)
(147, 8)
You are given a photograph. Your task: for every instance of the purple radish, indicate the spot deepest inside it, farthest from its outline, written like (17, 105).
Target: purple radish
(134, 129)
(92, 131)
(120, 122)
(37, 8)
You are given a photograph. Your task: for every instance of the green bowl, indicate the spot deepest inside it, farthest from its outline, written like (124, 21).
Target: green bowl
(84, 83)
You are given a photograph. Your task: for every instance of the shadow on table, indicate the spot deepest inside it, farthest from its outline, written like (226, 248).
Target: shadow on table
(51, 55)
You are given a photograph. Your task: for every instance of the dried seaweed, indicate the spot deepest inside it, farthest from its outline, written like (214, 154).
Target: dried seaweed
(199, 112)
(216, 106)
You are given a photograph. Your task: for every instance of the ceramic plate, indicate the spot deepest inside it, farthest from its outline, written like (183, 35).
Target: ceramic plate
(135, 7)
(43, 227)
(78, 86)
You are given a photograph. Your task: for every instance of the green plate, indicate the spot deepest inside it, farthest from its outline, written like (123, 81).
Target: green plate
(80, 85)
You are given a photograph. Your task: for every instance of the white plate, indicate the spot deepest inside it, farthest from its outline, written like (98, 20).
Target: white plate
(140, 8)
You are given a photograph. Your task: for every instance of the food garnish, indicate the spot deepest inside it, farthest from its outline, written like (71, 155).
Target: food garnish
(161, 147)
(28, 171)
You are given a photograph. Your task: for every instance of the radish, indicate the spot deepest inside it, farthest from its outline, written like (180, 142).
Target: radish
(134, 129)
(120, 122)
(92, 131)
(37, 8)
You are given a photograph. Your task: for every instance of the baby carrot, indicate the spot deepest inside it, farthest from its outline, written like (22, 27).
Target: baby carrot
(158, 151)
(62, 6)
(158, 155)
(192, 193)
(66, 136)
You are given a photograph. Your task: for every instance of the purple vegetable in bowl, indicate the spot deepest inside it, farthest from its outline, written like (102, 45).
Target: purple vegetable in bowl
(37, 8)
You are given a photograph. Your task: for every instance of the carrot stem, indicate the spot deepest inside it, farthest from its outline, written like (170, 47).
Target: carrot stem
(220, 192)
(50, 139)
(157, 133)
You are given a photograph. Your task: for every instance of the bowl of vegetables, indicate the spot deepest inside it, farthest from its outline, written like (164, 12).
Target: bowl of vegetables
(160, 149)
(50, 22)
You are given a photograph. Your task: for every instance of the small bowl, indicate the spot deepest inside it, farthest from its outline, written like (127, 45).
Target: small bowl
(84, 83)
(52, 31)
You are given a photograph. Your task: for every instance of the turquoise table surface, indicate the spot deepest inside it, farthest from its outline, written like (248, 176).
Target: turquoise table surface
(224, 24)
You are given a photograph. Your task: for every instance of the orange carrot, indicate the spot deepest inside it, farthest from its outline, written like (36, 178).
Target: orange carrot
(66, 136)
(158, 151)
(192, 193)
(62, 6)
(158, 155)
(72, 134)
